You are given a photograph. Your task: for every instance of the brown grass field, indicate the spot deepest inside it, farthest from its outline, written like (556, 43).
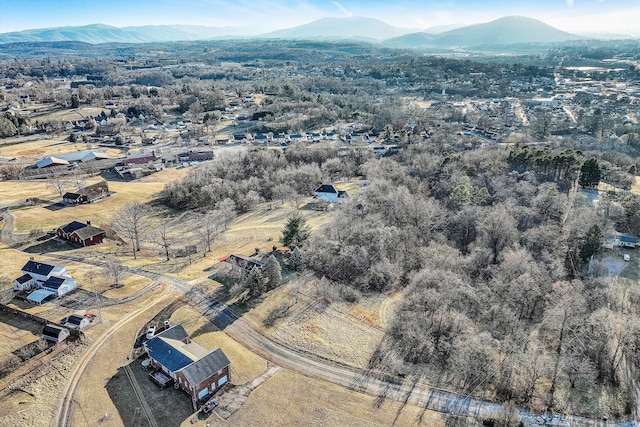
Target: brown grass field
(290, 399)
(34, 150)
(340, 331)
(636, 188)
(100, 213)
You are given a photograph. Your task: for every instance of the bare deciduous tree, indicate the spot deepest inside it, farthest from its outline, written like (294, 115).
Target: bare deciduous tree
(131, 223)
(207, 231)
(58, 183)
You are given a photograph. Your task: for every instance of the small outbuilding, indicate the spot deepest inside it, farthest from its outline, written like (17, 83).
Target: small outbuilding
(77, 322)
(55, 333)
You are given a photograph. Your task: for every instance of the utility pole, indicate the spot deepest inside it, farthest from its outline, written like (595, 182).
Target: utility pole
(98, 305)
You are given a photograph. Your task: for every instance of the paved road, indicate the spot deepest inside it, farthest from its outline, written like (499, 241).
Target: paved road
(364, 381)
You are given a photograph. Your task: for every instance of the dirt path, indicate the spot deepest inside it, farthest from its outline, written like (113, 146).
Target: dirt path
(233, 400)
(6, 235)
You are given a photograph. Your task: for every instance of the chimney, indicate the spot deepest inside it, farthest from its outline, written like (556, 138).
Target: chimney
(88, 222)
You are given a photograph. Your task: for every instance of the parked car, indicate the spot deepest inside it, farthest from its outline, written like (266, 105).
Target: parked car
(64, 320)
(90, 316)
(151, 332)
(208, 407)
(167, 325)
(627, 257)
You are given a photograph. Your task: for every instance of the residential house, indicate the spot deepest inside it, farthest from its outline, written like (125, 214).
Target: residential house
(627, 241)
(40, 271)
(51, 281)
(82, 233)
(243, 262)
(89, 194)
(196, 370)
(330, 193)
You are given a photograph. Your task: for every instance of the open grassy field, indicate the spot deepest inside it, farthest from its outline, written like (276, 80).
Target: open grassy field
(636, 188)
(245, 365)
(46, 217)
(289, 399)
(340, 331)
(34, 150)
(261, 229)
(16, 332)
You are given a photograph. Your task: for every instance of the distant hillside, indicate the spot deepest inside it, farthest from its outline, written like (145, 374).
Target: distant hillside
(99, 33)
(341, 28)
(507, 30)
(503, 31)
(411, 41)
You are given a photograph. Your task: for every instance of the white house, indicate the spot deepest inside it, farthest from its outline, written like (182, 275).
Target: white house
(40, 271)
(330, 193)
(59, 285)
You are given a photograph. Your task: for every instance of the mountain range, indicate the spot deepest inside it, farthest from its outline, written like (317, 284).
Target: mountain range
(503, 31)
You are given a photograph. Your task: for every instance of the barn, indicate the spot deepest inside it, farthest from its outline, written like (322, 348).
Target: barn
(194, 369)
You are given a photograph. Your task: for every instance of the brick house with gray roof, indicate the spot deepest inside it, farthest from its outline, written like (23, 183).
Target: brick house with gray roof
(196, 370)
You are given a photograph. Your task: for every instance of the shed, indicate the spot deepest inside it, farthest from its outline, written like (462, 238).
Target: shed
(77, 322)
(55, 333)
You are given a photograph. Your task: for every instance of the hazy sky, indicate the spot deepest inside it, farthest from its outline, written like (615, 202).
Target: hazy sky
(613, 16)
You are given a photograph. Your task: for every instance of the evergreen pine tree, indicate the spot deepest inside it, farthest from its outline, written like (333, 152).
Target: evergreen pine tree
(590, 174)
(296, 261)
(255, 283)
(296, 231)
(273, 272)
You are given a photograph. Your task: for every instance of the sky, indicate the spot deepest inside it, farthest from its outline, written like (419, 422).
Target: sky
(578, 16)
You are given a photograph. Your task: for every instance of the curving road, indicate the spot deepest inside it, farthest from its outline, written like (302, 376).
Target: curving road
(384, 387)
(64, 412)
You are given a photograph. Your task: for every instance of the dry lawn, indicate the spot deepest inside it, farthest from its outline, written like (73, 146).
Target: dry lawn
(290, 399)
(100, 213)
(261, 229)
(245, 365)
(636, 188)
(35, 150)
(348, 333)
(67, 114)
(16, 332)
